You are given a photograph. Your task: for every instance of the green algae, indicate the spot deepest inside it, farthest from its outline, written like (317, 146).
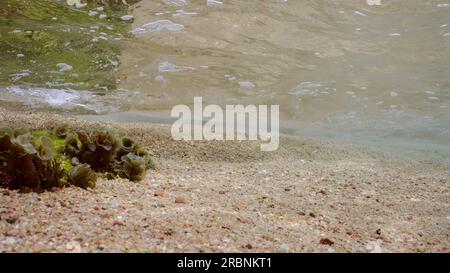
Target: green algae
(41, 160)
(57, 144)
(106, 151)
(82, 176)
(37, 35)
(27, 165)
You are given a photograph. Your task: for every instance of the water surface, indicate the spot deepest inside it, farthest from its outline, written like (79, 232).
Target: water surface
(337, 68)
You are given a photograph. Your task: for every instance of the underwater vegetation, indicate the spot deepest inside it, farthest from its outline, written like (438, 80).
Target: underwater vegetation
(115, 3)
(43, 160)
(50, 44)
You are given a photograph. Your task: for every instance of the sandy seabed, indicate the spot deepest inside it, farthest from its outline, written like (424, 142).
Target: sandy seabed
(309, 196)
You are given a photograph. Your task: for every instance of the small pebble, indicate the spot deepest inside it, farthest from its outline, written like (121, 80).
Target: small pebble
(118, 223)
(73, 247)
(326, 241)
(159, 193)
(80, 5)
(180, 200)
(127, 18)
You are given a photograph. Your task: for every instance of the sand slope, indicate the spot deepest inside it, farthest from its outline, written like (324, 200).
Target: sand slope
(310, 195)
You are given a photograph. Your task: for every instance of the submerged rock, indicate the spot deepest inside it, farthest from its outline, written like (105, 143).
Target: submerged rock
(64, 67)
(127, 18)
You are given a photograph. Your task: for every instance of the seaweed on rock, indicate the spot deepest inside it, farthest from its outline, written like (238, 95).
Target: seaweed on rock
(115, 3)
(73, 145)
(82, 176)
(49, 32)
(6, 133)
(21, 130)
(104, 151)
(30, 167)
(107, 152)
(132, 167)
(98, 149)
(42, 160)
(125, 146)
(61, 131)
(142, 152)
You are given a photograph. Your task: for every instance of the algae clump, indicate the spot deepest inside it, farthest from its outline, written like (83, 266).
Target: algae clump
(28, 166)
(105, 151)
(42, 160)
(82, 176)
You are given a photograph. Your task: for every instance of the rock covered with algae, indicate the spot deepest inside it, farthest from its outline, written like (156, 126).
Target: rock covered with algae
(105, 151)
(28, 163)
(57, 43)
(43, 160)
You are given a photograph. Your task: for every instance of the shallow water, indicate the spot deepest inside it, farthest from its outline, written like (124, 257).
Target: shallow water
(336, 68)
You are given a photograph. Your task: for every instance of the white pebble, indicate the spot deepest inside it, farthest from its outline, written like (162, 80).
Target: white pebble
(127, 17)
(64, 67)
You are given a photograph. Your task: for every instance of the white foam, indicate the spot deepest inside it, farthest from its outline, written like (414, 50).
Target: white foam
(305, 88)
(20, 75)
(393, 94)
(373, 2)
(158, 26)
(58, 98)
(230, 77)
(359, 13)
(175, 2)
(213, 3)
(247, 85)
(170, 67)
(182, 13)
(160, 78)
